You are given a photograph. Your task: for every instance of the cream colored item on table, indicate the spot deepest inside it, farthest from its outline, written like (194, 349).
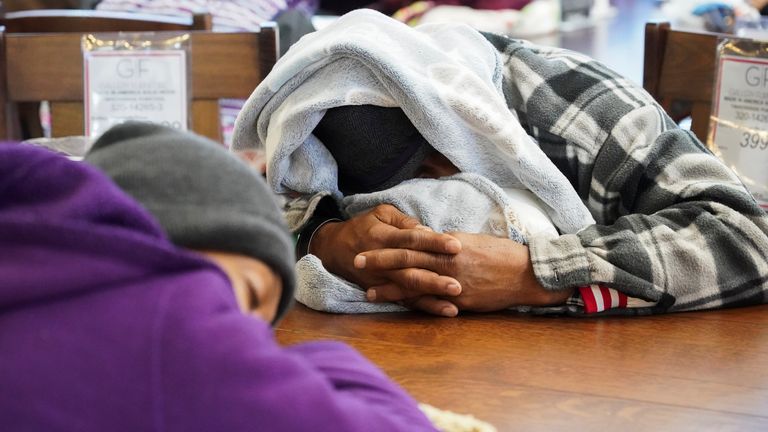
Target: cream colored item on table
(74, 147)
(537, 18)
(448, 421)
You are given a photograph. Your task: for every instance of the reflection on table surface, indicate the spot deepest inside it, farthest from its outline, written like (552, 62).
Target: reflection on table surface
(679, 372)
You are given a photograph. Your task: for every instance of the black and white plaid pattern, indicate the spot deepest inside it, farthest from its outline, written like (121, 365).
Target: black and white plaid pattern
(675, 226)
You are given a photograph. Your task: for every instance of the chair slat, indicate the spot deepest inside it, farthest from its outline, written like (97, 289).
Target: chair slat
(679, 71)
(49, 66)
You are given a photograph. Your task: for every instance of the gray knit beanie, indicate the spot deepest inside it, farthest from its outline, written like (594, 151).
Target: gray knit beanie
(204, 197)
(375, 147)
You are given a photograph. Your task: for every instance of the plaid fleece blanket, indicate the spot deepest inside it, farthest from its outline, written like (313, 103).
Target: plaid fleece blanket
(675, 226)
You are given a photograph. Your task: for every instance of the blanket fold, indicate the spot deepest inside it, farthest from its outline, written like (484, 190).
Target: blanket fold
(463, 202)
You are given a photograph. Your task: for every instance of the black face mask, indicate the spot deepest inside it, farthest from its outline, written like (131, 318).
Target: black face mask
(375, 148)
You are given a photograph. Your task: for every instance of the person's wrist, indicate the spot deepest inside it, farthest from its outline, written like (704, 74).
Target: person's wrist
(321, 240)
(544, 297)
(547, 297)
(561, 296)
(536, 294)
(308, 234)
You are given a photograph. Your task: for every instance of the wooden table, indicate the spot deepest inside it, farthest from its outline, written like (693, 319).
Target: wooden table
(680, 372)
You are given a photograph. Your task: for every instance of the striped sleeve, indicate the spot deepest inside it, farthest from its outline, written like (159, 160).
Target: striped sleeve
(599, 298)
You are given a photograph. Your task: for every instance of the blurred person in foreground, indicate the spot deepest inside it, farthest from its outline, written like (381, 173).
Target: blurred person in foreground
(155, 315)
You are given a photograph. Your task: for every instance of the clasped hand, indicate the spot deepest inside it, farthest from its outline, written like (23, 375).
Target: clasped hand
(397, 259)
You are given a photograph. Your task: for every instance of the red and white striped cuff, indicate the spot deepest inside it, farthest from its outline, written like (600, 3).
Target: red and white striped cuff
(598, 298)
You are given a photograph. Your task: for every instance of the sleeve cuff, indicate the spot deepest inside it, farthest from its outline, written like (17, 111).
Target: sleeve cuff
(560, 263)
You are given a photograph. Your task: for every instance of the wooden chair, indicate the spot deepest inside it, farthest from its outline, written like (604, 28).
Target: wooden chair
(78, 21)
(679, 72)
(49, 66)
(24, 116)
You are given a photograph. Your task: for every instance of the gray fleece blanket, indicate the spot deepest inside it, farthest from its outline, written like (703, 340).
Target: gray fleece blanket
(463, 202)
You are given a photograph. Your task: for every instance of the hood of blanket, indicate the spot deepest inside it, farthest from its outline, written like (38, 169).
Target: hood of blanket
(445, 77)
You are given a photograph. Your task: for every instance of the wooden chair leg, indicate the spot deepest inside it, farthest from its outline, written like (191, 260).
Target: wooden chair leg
(655, 46)
(206, 119)
(29, 120)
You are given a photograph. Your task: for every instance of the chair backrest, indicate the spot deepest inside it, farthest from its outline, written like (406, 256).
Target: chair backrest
(679, 72)
(49, 66)
(24, 118)
(78, 21)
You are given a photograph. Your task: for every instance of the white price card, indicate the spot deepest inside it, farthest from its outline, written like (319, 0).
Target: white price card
(146, 86)
(740, 130)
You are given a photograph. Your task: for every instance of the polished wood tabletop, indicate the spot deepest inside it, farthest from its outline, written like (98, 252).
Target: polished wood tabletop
(678, 372)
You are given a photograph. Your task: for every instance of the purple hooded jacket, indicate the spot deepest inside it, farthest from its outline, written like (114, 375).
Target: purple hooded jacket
(105, 325)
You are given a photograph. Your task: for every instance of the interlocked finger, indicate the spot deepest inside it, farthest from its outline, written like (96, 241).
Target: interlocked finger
(432, 305)
(391, 259)
(411, 283)
(421, 240)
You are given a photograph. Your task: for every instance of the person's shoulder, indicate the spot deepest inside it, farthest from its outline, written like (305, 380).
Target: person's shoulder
(202, 304)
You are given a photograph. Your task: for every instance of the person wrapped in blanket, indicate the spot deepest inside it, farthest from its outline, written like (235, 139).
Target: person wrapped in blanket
(153, 312)
(649, 220)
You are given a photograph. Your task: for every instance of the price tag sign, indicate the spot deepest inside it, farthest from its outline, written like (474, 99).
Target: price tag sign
(146, 86)
(740, 129)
